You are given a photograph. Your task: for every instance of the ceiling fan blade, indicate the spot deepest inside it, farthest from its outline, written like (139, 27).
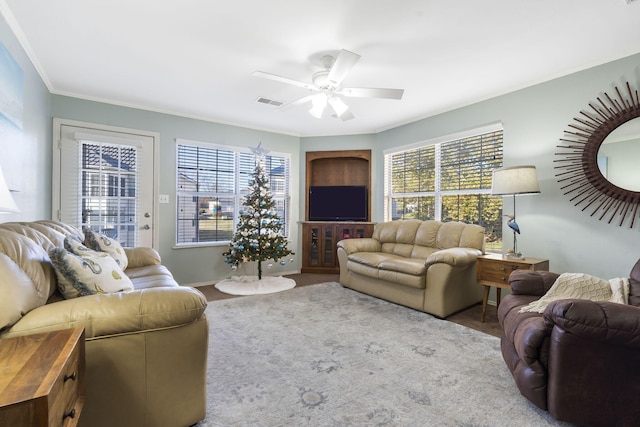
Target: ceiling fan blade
(347, 115)
(290, 105)
(370, 92)
(284, 80)
(344, 63)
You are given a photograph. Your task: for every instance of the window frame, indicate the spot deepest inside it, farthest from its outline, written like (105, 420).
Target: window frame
(438, 193)
(238, 194)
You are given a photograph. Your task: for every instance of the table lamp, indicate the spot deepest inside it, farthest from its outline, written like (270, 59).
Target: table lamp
(514, 181)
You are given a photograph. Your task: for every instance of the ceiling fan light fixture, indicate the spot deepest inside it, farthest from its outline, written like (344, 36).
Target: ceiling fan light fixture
(319, 103)
(338, 105)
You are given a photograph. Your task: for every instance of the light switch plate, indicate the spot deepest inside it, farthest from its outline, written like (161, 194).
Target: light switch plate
(163, 198)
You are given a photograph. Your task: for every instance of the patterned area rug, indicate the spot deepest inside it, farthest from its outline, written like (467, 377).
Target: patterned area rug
(324, 355)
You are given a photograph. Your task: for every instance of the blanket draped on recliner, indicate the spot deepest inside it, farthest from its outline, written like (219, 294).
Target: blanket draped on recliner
(582, 286)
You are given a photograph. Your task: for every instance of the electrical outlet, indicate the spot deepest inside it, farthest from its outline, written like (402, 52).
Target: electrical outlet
(163, 198)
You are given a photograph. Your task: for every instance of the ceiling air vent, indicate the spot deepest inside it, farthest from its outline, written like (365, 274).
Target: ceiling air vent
(269, 101)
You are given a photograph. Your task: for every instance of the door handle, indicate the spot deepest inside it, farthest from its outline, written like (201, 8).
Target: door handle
(146, 227)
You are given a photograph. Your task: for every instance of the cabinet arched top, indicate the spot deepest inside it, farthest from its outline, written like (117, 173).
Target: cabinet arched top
(340, 167)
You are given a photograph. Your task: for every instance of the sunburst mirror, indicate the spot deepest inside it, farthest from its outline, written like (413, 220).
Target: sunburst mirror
(585, 171)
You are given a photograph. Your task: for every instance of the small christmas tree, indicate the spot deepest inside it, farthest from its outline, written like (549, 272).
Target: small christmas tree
(258, 236)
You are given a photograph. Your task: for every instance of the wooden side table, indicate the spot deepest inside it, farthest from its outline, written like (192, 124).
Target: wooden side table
(494, 270)
(42, 379)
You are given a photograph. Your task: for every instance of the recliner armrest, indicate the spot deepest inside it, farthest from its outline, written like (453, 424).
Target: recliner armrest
(535, 283)
(603, 321)
(366, 244)
(453, 256)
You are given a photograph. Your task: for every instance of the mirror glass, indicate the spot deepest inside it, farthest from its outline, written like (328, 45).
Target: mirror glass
(619, 156)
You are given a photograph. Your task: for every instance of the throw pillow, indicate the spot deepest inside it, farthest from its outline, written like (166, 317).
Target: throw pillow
(74, 245)
(100, 242)
(87, 272)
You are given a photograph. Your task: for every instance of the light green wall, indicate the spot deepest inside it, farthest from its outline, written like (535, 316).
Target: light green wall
(534, 119)
(26, 153)
(188, 265)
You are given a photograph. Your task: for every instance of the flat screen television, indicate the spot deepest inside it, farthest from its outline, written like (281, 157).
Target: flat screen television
(338, 203)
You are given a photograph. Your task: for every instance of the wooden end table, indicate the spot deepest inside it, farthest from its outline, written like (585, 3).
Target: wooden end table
(42, 379)
(494, 270)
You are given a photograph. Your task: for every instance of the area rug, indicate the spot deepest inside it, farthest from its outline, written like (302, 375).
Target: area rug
(251, 285)
(324, 355)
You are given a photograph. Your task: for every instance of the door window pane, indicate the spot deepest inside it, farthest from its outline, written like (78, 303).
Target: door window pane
(109, 185)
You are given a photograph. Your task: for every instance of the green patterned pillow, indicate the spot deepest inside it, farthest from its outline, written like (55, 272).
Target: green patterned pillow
(87, 272)
(100, 242)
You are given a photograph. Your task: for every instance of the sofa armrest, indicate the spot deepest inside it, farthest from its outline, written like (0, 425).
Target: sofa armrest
(606, 322)
(117, 313)
(141, 257)
(455, 257)
(534, 283)
(366, 244)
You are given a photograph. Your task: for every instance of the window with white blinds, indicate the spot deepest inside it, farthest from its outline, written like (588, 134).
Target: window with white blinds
(212, 181)
(447, 180)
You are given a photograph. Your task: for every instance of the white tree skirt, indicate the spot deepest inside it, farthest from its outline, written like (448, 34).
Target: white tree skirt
(250, 285)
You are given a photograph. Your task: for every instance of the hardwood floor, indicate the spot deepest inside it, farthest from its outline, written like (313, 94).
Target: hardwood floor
(469, 317)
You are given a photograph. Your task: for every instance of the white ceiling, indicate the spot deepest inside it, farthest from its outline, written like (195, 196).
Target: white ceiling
(195, 58)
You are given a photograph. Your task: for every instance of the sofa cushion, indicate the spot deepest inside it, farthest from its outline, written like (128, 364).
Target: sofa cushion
(422, 252)
(449, 235)
(100, 242)
(394, 268)
(87, 272)
(151, 276)
(427, 234)
(19, 296)
(363, 269)
(401, 249)
(411, 266)
(397, 277)
(26, 276)
(372, 259)
(397, 231)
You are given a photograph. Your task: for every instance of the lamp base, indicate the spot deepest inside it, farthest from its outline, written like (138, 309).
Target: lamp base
(513, 255)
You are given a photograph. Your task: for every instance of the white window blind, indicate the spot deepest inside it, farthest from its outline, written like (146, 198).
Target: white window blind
(448, 179)
(212, 181)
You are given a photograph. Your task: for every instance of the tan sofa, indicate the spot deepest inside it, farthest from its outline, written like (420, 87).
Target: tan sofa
(146, 349)
(426, 265)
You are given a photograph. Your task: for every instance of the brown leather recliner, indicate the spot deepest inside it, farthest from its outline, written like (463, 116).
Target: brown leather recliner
(579, 360)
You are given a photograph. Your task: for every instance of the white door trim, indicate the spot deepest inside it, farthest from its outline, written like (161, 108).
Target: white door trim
(56, 165)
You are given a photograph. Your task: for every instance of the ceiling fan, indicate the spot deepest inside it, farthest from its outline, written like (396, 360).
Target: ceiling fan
(327, 87)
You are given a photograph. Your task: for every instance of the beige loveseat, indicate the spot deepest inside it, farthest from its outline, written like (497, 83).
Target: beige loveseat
(426, 265)
(146, 349)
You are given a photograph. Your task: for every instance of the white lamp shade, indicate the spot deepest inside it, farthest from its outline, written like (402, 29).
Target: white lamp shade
(515, 180)
(7, 204)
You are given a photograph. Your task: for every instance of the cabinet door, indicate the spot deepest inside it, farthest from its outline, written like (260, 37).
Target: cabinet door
(328, 246)
(314, 236)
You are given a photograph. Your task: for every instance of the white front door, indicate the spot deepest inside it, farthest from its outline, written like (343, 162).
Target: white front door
(103, 179)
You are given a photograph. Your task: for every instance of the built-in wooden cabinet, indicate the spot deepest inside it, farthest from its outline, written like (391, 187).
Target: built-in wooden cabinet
(319, 239)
